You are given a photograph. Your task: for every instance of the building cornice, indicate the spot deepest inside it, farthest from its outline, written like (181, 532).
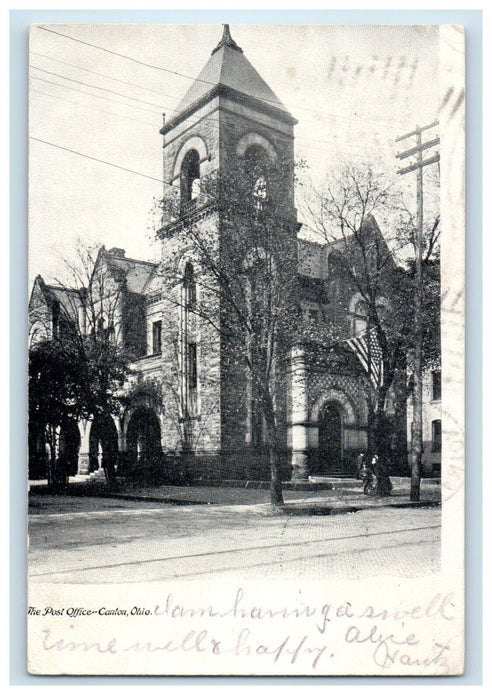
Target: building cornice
(240, 97)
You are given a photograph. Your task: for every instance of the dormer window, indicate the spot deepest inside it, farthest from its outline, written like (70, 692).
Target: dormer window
(190, 178)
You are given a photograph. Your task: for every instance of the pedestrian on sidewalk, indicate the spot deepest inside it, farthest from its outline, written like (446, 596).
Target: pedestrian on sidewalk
(361, 463)
(379, 466)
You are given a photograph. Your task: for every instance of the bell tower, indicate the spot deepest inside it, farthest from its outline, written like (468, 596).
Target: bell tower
(228, 121)
(228, 112)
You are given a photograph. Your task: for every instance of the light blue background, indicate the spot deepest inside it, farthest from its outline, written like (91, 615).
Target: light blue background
(19, 28)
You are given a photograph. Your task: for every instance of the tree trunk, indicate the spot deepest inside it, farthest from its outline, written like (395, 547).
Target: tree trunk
(382, 437)
(58, 473)
(276, 497)
(371, 437)
(378, 436)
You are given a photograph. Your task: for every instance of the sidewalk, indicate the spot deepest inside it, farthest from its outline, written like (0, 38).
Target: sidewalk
(324, 497)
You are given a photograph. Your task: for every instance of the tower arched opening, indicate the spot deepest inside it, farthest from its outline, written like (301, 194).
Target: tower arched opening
(190, 178)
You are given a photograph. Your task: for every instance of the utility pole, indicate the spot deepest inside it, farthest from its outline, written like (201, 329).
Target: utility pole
(418, 166)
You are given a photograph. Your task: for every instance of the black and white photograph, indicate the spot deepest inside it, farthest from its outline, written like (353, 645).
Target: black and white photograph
(246, 349)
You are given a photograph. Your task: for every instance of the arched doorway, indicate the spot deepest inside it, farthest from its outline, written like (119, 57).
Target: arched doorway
(330, 439)
(103, 445)
(143, 439)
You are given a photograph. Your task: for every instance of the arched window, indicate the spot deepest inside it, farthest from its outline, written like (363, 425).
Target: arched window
(360, 317)
(189, 286)
(436, 385)
(260, 192)
(256, 165)
(359, 310)
(436, 436)
(190, 177)
(189, 348)
(258, 269)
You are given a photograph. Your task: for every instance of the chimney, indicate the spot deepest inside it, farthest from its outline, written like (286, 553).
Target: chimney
(117, 252)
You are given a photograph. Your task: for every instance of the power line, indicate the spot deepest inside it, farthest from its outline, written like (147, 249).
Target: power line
(103, 111)
(96, 87)
(417, 351)
(98, 160)
(121, 55)
(209, 119)
(99, 97)
(103, 75)
(304, 139)
(157, 92)
(207, 82)
(105, 162)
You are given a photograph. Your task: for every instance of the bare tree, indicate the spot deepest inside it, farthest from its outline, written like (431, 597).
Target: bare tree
(343, 213)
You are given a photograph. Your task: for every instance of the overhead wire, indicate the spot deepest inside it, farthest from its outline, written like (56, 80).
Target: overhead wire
(208, 119)
(100, 97)
(96, 87)
(104, 75)
(98, 160)
(105, 162)
(207, 82)
(84, 106)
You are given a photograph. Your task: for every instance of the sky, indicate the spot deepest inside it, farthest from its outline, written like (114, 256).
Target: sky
(353, 88)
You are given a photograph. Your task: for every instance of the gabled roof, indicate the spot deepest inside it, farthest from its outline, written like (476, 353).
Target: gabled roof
(137, 272)
(229, 70)
(68, 298)
(312, 255)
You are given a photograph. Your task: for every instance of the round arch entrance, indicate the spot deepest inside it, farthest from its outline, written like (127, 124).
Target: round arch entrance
(103, 445)
(330, 443)
(143, 438)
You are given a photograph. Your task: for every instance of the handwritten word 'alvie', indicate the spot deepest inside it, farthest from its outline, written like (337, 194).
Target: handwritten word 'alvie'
(391, 649)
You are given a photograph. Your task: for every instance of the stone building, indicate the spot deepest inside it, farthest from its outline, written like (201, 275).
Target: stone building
(187, 403)
(431, 422)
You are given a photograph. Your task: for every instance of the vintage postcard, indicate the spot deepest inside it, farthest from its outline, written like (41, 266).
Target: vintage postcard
(246, 350)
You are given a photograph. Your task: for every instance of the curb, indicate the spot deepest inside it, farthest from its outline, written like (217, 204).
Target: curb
(352, 508)
(173, 500)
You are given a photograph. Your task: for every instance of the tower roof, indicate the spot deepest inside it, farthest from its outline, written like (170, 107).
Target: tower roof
(229, 70)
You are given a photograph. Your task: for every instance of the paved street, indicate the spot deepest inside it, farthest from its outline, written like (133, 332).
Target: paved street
(96, 540)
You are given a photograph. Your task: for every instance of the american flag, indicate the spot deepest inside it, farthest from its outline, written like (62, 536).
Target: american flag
(368, 353)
